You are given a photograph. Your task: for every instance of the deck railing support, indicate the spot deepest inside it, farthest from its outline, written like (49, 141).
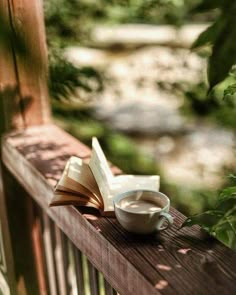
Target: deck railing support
(23, 102)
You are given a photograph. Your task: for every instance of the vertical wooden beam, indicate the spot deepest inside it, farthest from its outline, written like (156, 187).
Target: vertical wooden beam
(21, 239)
(7, 262)
(32, 69)
(79, 270)
(93, 279)
(10, 110)
(61, 262)
(10, 118)
(24, 98)
(24, 101)
(66, 261)
(39, 254)
(48, 233)
(108, 288)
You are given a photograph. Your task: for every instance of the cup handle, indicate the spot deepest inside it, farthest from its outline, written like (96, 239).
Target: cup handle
(164, 216)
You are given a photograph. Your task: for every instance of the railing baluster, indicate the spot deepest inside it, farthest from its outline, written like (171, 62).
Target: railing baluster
(86, 275)
(61, 261)
(101, 283)
(66, 261)
(79, 272)
(93, 279)
(108, 288)
(50, 259)
(39, 249)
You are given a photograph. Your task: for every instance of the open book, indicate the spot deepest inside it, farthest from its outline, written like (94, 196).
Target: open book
(94, 185)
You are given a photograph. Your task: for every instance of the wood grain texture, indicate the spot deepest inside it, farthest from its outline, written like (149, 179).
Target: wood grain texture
(77, 256)
(10, 109)
(48, 241)
(31, 68)
(93, 279)
(20, 226)
(8, 270)
(39, 254)
(173, 262)
(108, 288)
(62, 261)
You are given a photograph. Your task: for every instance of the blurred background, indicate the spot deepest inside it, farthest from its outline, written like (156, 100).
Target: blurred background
(124, 71)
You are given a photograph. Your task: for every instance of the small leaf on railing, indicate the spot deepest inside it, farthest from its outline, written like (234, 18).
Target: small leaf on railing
(220, 222)
(225, 231)
(206, 220)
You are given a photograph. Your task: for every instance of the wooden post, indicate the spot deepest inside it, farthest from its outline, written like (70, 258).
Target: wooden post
(6, 258)
(24, 102)
(23, 80)
(32, 68)
(10, 109)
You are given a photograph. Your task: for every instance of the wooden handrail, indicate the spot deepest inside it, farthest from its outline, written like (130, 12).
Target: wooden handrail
(173, 262)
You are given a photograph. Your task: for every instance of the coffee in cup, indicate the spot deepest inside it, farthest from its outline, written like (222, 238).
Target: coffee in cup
(143, 211)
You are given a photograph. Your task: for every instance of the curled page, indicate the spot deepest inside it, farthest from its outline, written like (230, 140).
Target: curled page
(102, 174)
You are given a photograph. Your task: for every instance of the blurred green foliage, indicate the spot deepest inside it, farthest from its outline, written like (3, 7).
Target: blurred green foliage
(218, 107)
(66, 78)
(72, 20)
(221, 35)
(220, 222)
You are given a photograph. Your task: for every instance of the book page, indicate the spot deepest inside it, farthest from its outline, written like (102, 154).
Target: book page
(80, 172)
(64, 198)
(123, 183)
(77, 180)
(102, 174)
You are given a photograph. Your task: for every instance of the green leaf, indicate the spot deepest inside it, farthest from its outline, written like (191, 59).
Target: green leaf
(206, 220)
(224, 51)
(66, 78)
(227, 193)
(229, 91)
(227, 205)
(210, 34)
(225, 231)
(206, 5)
(232, 176)
(221, 222)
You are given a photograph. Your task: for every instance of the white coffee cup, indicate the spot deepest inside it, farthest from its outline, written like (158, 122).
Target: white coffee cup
(143, 211)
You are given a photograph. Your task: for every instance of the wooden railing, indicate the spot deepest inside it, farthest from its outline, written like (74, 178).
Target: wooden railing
(174, 262)
(65, 250)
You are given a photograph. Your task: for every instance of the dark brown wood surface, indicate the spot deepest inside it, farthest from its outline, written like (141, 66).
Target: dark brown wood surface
(108, 288)
(93, 279)
(24, 97)
(10, 109)
(24, 102)
(21, 224)
(185, 261)
(49, 249)
(27, 22)
(6, 262)
(79, 272)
